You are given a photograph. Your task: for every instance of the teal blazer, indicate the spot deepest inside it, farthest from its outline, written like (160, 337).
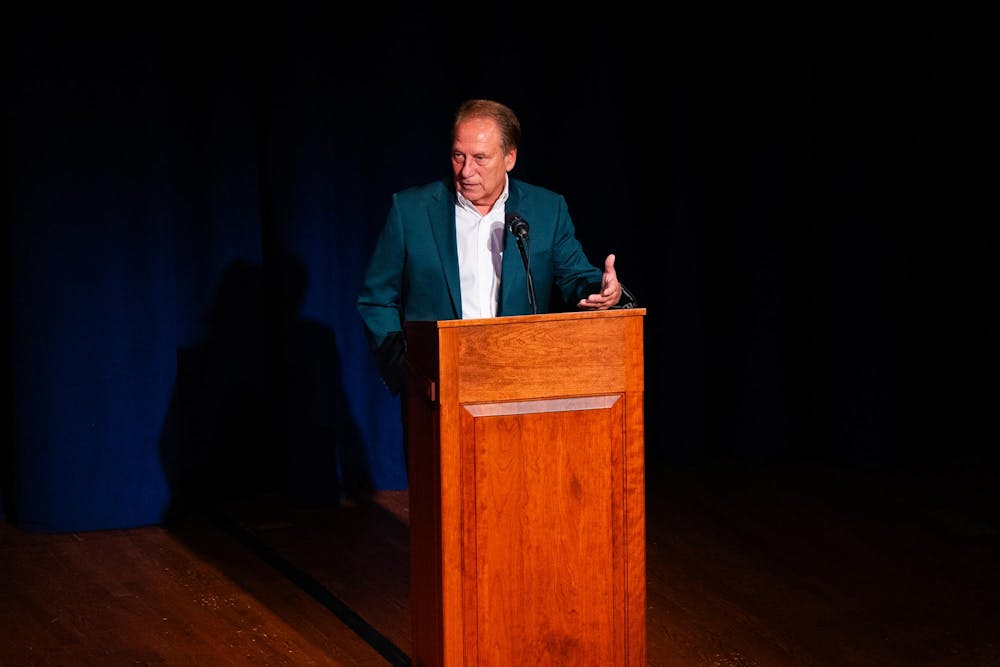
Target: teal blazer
(413, 271)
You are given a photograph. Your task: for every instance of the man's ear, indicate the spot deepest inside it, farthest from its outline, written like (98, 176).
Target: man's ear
(510, 159)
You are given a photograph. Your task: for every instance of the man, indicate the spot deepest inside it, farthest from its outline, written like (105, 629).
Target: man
(446, 251)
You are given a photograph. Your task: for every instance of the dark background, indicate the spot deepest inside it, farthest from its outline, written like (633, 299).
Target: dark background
(191, 198)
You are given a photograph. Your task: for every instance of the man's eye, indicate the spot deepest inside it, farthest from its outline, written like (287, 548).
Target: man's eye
(458, 157)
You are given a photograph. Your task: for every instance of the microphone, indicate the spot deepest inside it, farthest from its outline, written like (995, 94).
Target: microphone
(518, 226)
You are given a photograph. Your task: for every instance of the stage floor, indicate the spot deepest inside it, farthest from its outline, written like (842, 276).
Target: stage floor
(746, 565)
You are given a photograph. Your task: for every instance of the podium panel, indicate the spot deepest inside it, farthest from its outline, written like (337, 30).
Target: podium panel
(526, 490)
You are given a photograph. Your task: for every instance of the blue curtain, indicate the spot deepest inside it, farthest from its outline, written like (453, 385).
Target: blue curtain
(188, 229)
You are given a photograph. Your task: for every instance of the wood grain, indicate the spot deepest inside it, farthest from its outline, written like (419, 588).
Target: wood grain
(534, 414)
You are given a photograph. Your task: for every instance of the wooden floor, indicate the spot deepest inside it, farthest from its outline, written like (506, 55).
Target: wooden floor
(746, 566)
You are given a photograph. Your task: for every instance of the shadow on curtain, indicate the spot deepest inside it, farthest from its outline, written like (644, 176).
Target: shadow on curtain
(259, 409)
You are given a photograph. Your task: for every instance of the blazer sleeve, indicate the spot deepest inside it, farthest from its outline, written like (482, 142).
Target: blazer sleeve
(380, 300)
(573, 272)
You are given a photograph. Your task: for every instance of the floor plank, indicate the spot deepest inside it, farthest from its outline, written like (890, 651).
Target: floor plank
(149, 596)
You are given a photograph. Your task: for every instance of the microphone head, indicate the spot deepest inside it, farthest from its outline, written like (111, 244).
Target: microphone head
(517, 225)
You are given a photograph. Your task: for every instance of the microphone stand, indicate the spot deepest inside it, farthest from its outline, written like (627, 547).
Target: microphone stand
(527, 271)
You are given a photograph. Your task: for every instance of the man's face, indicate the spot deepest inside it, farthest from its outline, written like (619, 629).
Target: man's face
(478, 161)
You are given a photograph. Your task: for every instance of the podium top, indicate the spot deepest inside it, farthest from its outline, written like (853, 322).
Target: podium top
(527, 357)
(516, 319)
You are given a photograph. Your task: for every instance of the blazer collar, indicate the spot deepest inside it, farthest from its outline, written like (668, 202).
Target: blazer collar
(513, 204)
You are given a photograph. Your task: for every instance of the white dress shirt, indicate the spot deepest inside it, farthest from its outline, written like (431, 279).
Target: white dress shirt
(480, 253)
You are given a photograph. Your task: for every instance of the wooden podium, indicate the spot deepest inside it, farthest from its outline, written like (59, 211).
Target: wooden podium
(526, 486)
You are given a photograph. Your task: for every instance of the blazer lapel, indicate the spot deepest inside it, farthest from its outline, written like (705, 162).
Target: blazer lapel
(441, 216)
(513, 283)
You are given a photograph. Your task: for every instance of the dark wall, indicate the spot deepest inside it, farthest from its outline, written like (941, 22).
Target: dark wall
(775, 187)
